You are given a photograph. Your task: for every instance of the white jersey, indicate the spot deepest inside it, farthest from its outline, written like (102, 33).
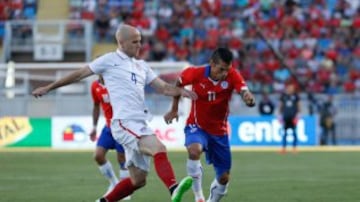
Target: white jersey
(125, 78)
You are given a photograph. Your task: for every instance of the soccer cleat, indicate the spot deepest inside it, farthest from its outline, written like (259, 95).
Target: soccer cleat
(184, 185)
(282, 151)
(101, 200)
(126, 198)
(200, 200)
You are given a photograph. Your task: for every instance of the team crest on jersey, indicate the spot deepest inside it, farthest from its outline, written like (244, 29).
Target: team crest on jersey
(143, 129)
(106, 98)
(138, 66)
(224, 84)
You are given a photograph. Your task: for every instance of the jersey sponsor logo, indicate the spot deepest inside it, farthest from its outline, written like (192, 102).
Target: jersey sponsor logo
(224, 84)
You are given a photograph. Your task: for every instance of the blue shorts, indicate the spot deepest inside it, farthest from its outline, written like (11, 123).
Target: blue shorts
(216, 148)
(107, 141)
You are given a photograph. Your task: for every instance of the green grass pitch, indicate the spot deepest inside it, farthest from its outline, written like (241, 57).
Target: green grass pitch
(257, 176)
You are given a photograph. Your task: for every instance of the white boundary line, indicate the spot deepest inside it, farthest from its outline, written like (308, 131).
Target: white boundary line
(234, 149)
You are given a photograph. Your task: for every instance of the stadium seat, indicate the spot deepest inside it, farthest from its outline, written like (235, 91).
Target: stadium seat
(29, 12)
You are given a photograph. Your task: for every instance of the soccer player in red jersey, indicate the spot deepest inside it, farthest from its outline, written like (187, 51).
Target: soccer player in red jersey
(206, 126)
(106, 141)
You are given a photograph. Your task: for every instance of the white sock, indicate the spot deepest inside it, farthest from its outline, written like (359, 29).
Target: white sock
(194, 169)
(217, 191)
(107, 171)
(123, 174)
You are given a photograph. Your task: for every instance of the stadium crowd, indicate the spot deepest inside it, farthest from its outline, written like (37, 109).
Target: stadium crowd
(319, 38)
(16, 10)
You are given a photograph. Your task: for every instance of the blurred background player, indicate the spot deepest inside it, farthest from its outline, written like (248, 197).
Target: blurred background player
(327, 122)
(289, 110)
(106, 141)
(206, 126)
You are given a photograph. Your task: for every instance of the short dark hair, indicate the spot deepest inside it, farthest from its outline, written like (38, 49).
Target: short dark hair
(223, 54)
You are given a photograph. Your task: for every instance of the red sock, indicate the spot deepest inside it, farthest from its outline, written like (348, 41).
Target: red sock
(164, 169)
(121, 190)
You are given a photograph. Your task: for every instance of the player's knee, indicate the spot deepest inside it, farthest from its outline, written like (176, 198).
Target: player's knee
(160, 147)
(224, 178)
(121, 158)
(139, 182)
(100, 159)
(194, 152)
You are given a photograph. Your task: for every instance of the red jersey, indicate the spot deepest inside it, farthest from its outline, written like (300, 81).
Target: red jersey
(100, 96)
(210, 111)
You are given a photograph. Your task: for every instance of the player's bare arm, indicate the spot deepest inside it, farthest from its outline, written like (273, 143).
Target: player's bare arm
(248, 98)
(75, 76)
(173, 113)
(95, 117)
(169, 90)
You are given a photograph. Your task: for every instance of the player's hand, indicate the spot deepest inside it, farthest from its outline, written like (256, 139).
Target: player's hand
(170, 116)
(189, 94)
(249, 98)
(38, 92)
(93, 135)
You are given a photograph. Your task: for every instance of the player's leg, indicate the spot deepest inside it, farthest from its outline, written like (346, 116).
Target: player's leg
(123, 171)
(105, 143)
(148, 145)
(333, 134)
(195, 141)
(284, 138)
(152, 146)
(220, 156)
(128, 185)
(295, 141)
(136, 162)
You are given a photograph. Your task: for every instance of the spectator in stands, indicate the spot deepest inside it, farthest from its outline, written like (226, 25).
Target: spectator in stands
(102, 26)
(306, 32)
(266, 106)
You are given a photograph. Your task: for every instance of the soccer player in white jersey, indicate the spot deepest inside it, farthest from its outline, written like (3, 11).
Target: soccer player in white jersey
(125, 78)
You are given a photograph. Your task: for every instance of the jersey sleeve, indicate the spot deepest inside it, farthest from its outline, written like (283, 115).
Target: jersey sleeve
(187, 76)
(98, 65)
(238, 81)
(93, 93)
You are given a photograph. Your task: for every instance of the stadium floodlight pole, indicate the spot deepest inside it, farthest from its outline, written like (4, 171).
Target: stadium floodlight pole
(281, 59)
(277, 53)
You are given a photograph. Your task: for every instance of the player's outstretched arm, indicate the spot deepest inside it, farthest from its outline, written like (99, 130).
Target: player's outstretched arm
(248, 98)
(166, 89)
(173, 113)
(75, 76)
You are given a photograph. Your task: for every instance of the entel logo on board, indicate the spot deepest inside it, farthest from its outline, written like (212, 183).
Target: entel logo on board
(262, 131)
(167, 135)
